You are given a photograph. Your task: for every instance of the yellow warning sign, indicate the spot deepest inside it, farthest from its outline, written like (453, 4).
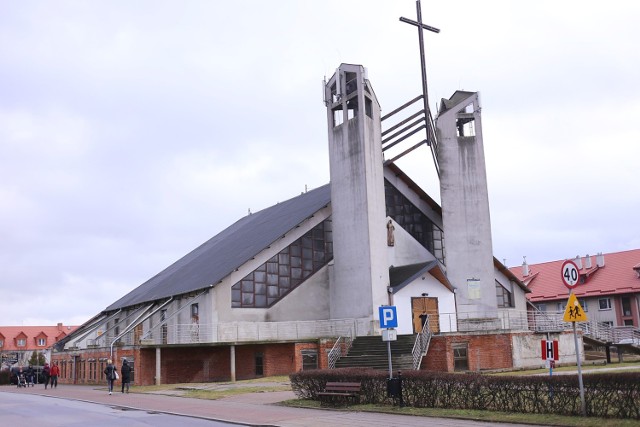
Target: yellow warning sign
(574, 312)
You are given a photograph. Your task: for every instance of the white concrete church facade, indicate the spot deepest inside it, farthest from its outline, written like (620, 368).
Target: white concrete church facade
(291, 280)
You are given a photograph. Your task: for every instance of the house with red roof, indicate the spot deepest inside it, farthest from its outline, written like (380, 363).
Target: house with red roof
(608, 290)
(17, 343)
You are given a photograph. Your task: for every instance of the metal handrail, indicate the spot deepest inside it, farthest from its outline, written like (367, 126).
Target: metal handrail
(340, 348)
(421, 346)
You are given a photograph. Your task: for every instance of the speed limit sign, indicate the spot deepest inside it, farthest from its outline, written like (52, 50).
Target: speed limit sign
(570, 274)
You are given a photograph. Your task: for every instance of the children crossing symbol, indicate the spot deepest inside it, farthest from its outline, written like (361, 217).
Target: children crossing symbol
(574, 312)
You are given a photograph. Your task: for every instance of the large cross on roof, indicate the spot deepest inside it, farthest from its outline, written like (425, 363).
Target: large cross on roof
(428, 119)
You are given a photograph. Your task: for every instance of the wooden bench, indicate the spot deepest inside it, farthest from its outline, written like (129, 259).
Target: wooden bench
(340, 393)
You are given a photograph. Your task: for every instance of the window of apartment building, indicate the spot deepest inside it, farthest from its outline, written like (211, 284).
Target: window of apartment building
(1, 343)
(608, 324)
(116, 330)
(503, 296)
(541, 307)
(461, 357)
(42, 342)
(584, 305)
(309, 359)
(194, 312)
(628, 322)
(604, 303)
(21, 342)
(626, 306)
(259, 361)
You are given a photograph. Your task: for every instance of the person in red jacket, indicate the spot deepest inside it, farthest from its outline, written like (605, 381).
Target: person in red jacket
(55, 371)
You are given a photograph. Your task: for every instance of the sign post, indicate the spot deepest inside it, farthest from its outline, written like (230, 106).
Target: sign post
(574, 313)
(550, 353)
(388, 321)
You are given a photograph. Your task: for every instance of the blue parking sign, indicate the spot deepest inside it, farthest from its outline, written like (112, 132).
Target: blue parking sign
(388, 317)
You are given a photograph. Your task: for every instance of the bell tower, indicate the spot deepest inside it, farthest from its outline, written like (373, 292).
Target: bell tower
(360, 272)
(465, 205)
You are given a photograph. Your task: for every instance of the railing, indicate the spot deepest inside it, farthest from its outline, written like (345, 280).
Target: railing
(255, 331)
(477, 322)
(538, 321)
(178, 334)
(625, 335)
(421, 345)
(340, 348)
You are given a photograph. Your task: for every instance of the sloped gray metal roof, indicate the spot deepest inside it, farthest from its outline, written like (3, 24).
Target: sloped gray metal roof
(399, 277)
(218, 257)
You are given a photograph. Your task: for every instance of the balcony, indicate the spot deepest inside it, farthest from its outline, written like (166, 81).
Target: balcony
(181, 334)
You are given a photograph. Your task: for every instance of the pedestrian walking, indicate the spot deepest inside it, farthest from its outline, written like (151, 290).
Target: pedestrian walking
(30, 376)
(55, 372)
(46, 373)
(125, 370)
(111, 372)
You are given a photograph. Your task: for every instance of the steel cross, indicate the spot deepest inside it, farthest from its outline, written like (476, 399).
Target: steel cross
(425, 93)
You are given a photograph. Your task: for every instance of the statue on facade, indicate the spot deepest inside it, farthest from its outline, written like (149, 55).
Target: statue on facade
(390, 238)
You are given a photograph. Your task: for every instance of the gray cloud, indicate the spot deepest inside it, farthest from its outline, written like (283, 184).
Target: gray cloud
(131, 133)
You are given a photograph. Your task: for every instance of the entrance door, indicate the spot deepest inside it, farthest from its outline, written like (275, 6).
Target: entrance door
(421, 306)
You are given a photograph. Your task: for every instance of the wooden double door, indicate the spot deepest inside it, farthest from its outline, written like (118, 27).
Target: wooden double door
(420, 308)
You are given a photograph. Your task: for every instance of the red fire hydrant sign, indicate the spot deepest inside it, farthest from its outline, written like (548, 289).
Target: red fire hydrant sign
(550, 350)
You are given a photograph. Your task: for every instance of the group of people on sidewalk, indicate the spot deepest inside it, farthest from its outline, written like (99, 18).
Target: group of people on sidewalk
(49, 375)
(111, 373)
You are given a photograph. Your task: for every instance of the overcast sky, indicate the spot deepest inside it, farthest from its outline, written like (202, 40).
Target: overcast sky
(132, 132)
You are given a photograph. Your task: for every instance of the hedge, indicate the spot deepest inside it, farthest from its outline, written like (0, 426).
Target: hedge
(615, 395)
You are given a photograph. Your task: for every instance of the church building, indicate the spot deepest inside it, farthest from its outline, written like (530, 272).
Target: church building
(296, 285)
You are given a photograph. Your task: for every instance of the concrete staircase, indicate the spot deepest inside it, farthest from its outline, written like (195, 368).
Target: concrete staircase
(371, 352)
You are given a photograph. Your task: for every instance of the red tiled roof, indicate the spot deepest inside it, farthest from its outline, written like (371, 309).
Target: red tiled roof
(52, 334)
(617, 276)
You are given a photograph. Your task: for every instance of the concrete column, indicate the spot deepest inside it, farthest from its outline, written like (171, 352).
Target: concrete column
(361, 269)
(465, 205)
(232, 358)
(158, 364)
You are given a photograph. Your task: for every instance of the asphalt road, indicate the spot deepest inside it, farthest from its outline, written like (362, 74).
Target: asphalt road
(71, 406)
(29, 410)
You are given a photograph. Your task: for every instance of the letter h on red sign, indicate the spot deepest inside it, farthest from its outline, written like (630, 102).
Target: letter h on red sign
(550, 350)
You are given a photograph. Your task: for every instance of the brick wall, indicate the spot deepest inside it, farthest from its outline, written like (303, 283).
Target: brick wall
(437, 358)
(194, 364)
(209, 364)
(87, 367)
(484, 351)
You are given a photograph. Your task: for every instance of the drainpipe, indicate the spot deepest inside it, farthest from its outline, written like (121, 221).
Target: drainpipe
(154, 312)
(94, 326)
(136, 322)
(131, 326)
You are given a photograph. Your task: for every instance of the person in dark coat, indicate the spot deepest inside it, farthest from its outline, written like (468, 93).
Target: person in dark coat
(46, 373)
(125, 370)
(110, 374)
(30, 376)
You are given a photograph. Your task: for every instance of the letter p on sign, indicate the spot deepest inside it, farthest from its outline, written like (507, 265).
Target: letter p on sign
(388, 317)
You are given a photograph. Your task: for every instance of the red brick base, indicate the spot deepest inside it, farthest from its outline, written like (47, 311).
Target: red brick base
(191, 364)
(484, 351)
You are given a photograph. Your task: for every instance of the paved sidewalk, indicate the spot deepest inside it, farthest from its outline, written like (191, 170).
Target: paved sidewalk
(587, 370)
(253, 409)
